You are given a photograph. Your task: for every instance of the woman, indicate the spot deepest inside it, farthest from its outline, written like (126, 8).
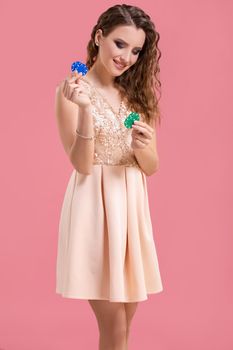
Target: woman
(106, 251)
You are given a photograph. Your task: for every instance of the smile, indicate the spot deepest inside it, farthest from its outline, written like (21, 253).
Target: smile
(119, 65)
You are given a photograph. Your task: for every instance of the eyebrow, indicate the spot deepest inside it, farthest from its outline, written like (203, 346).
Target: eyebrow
(137, 47)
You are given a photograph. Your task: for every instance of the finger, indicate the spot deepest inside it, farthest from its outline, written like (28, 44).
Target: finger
(140, 143)
(75, 72)
(77, 91)
(136, 136)
(137, 140)
(74, 85)
(143, 130)
(72, 79)
(140, 137)
(69, 86)
(145, 125)
(75, 76)
(74, 92)
(67, 90)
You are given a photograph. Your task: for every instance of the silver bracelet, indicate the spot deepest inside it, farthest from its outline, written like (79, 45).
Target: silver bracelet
(85, 137)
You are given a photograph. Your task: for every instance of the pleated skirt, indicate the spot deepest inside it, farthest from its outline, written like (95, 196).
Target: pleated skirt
(106, 248)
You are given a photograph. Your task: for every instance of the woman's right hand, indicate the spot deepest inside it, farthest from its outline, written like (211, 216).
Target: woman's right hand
(75, 91)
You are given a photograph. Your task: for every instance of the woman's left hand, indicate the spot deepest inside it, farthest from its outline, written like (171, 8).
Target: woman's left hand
(141, 134)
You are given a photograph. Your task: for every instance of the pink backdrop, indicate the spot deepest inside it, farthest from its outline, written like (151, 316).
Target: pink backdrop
(190, 195)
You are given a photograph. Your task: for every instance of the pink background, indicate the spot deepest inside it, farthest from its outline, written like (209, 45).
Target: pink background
(190, 195)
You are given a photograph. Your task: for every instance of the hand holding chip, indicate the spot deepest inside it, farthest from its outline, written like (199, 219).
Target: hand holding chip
(141, 134)
(74, 89)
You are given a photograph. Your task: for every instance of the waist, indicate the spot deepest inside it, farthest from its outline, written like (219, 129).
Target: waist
(116, 163)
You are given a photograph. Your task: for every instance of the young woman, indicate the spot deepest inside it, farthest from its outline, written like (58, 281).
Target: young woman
(106, 250)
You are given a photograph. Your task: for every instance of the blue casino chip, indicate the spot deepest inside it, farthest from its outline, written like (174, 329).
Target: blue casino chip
(80, 67)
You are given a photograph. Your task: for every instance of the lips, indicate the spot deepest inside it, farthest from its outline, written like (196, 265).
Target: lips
(118, 64)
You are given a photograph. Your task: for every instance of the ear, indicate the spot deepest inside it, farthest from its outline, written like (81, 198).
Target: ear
(98, 35)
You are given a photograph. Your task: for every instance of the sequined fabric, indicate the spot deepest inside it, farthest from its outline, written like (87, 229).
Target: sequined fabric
(112, 140)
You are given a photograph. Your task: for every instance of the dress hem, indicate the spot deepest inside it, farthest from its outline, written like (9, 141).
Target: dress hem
(71, 296)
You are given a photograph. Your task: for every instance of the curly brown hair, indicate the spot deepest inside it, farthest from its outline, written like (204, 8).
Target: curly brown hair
(140, 82)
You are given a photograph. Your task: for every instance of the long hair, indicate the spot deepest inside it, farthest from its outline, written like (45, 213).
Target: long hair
(140, 83)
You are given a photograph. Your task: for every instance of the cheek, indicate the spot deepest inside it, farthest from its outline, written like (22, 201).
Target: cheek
(113, 51)
(134, 59)
(107, 52)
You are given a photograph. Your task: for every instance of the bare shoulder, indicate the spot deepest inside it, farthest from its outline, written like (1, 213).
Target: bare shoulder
(67, 116)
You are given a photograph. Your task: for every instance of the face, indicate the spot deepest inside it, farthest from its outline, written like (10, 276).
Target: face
(120, 49)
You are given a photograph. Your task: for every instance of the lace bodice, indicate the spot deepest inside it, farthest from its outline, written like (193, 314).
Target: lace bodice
(112, 140)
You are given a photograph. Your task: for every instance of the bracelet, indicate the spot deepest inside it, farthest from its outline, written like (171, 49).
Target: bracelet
(85, 137)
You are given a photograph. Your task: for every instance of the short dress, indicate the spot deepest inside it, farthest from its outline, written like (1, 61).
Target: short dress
(106, 248)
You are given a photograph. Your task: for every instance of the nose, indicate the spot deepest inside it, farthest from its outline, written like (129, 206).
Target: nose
(125, 57)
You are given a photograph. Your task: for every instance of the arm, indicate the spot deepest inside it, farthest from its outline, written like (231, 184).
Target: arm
(69, 118)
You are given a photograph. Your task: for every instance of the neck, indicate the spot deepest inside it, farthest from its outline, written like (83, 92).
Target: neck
(100, 77)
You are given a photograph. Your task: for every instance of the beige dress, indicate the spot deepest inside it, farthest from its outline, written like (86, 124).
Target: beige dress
(106, 248)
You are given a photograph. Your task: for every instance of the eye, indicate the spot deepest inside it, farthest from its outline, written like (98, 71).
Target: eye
(118, 44)
(121, 45)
